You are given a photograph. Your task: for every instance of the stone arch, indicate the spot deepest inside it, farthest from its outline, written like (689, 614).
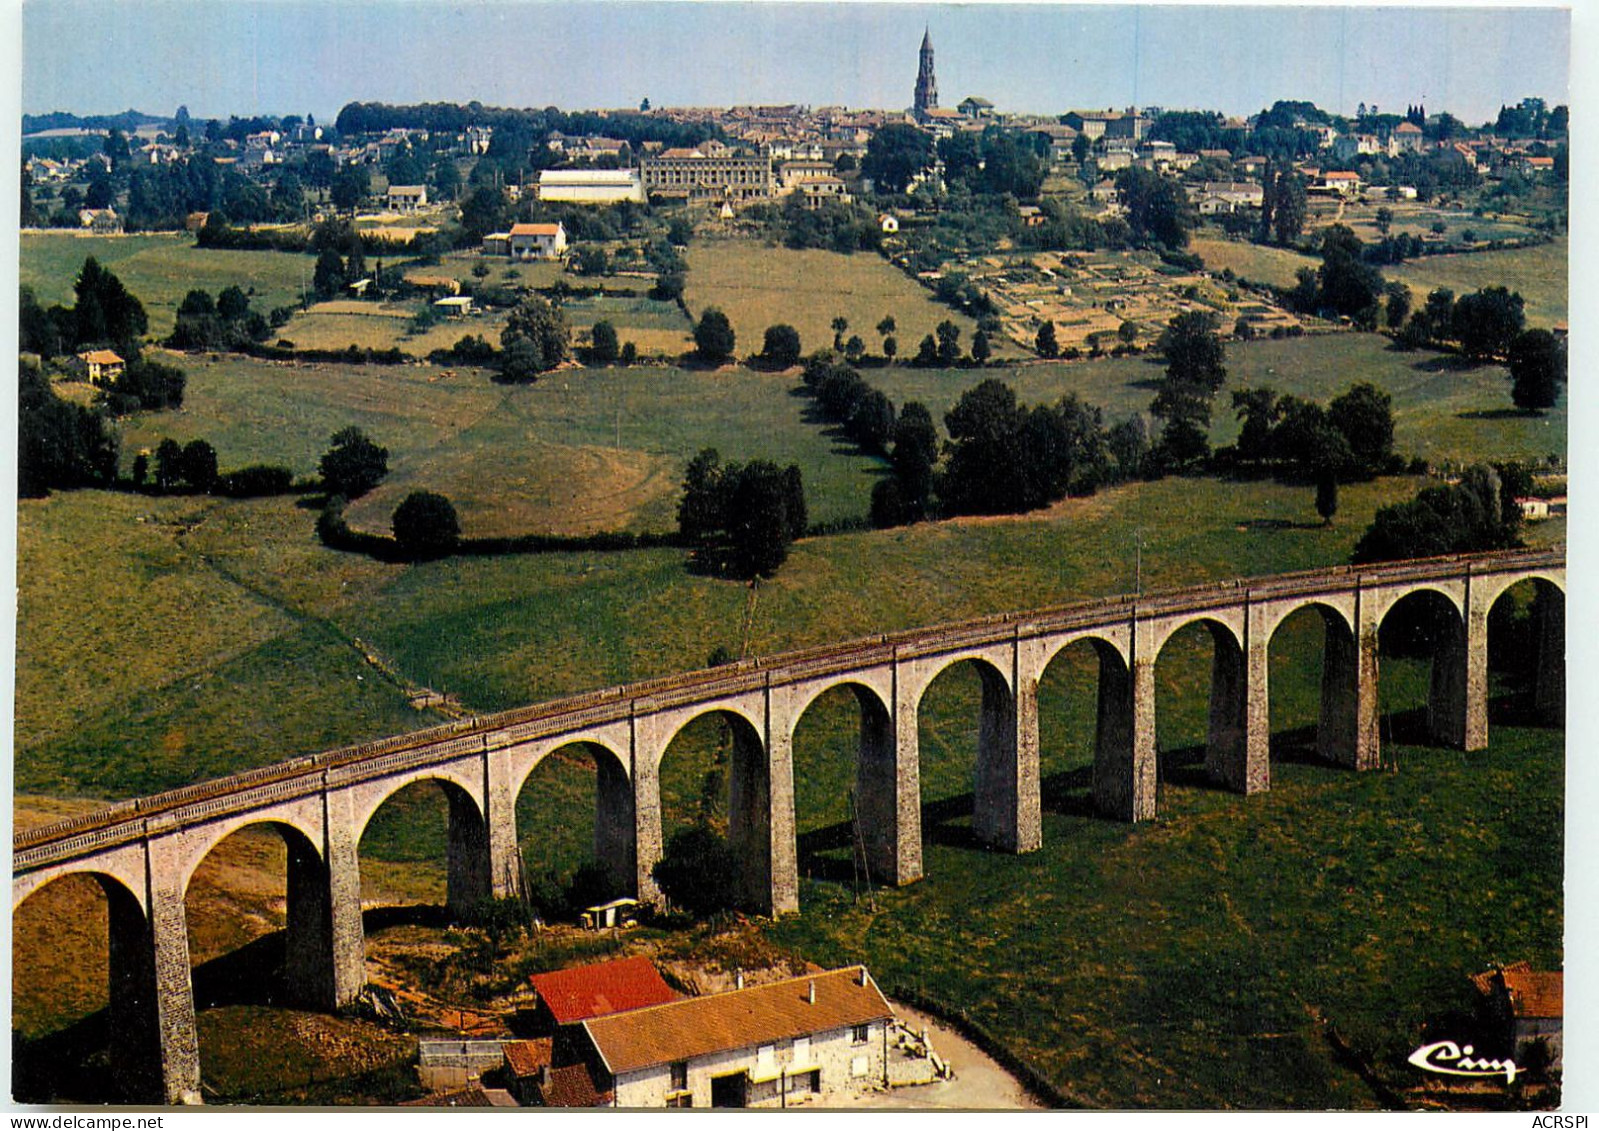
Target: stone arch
(1226, 758)
(995, 789)
(749, 798)
(1110, 773)
(133, 1029)
(1381, 602)
(613, 837)
(468, 865)
(308, 977)
(200, 841)
(866, 693)
(1528, 649)
(1337, 715)
(874, 784)
(1489, 588)
(1431, 623)
(918, 675)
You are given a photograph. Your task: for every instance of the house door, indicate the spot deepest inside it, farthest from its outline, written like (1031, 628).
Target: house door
(731, 1090)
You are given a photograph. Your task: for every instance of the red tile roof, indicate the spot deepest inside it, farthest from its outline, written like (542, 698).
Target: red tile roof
(572, 1086)
(525, 1058)
(605, 987)
(740, 1019)
(534, 229)
(1532, 993)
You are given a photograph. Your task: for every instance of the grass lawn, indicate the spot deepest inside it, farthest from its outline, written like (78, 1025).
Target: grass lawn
(1537, 273)
(1274, 265)
(759, 286)
(1440, 412)
(159, 269)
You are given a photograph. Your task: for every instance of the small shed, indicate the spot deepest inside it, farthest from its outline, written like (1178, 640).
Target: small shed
(617, 913)
(889, 223)
(456, 306)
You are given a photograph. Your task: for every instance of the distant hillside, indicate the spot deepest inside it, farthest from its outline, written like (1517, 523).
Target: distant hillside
(127, 121)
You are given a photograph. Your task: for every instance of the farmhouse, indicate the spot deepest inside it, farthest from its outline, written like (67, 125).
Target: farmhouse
(591, 186)
(407, 198)
(535, 241)
(101, 367)
(763, 1046)
(1524, 1006)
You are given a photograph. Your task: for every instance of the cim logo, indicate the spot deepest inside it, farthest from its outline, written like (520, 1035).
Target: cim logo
(1448, 1059)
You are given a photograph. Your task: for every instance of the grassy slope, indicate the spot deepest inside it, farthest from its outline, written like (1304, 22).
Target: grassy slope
(758, 286)
(159, 270)
(1254, 262)
(1538, 273)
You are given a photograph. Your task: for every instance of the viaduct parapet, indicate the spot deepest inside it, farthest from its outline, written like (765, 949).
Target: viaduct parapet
(143, 853)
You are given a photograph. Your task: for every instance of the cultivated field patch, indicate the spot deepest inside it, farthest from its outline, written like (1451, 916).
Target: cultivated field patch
(759, 286)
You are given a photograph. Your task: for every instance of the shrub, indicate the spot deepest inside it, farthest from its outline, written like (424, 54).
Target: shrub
(425, 525)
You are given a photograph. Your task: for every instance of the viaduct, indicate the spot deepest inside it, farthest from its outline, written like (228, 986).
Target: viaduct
(143, 853)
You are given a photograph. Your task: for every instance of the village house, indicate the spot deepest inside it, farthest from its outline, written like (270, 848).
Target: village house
(535, 241)
(100, 367)
(1409, 137)
(816, 1036)
(1524, 1007)
(406, 198)
(567, 998)
(1226, 197)
(100, 221)
(1339, 183)
(975, 107)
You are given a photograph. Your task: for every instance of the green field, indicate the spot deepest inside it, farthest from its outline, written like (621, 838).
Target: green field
(1276, 266)
(1539, 274)
(759, 286)
(160, 269)
(1440, 412)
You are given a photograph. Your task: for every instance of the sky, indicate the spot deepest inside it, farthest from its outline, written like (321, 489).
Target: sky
(249, 57)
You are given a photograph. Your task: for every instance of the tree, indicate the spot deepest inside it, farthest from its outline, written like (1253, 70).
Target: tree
(915, 452)
(984, 474)
(1258, 413)
(1385, 219)
(1195, 352)
(701, 511)
(1327, 496)
(199, 465)
(105, 311)
(1398, 305)
(168, 464)
(232, 304)
(59, 444)
(927, 351)
(1364, 416)
(353, 465)
(1346, 283)
(840, 325)
(713, 336)
(538, 334)
(328, 278)
(758, 525)
(949, 342)
(604, 348)
(1291, 207)
(895, 155)
(1045, 343)
(698, 872)
(781, 347)
(887, 326)
(1080, 147)
(855, 348)
(1537, 369)
(890, 347)
(425, 525)
(350, 188)
(980, 347)
(1487, 321)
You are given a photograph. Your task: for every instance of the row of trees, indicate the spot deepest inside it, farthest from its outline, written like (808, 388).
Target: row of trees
(1478, 513)
(1351, 438)
(221, 323)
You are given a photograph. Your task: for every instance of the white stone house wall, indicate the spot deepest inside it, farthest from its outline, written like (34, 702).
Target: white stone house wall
(845, 1069)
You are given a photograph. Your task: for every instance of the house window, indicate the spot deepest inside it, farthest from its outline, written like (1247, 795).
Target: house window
(680, 1076)
(860, 1034)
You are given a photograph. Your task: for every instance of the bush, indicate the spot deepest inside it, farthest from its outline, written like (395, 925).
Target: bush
(698, 872)
(714, 337)
(781, 348)
(254, 481)
(354, 464)
(425, 525)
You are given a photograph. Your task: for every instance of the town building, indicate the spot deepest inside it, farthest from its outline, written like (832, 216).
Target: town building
(591, 186)
(1409, 137)
(1109, 124)
(535, 241)
(976, 107)
(406, 198)
(774, 1045)
(567, 998)
(1225, 197)
(709, 172)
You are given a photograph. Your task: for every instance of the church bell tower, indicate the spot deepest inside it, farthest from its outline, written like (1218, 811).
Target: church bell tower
(926, 84)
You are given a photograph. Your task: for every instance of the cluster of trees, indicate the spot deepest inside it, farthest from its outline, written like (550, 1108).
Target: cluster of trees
(741, 518)
(536, 339)
(1345, 285)
(896, 155)
(1352, 438)
(522, 127)
(993, 162)
(1284, 206)
(833, 225)
(1157, 207)
(59, 444)
(1478, 513)
(188, 467)
(221, 323)
(105, 314)
(1484, 324)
